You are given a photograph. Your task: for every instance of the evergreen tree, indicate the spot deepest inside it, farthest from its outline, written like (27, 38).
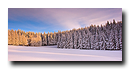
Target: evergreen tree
(39, 41)
(12, 37)
(20, 39)
(44, 39)
(9, 37)
(54, 36)
(79, 40)
(24, 40)
(75, 39)
(111, 41)
(16, 38)
(84, 42)
(97, 45)
(58, 42)
(120, 35)
(33, 42)
(36, 40)
(116, 37)
(88, 39)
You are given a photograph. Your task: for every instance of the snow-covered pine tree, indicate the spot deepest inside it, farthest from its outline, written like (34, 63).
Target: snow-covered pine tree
(49, 38)
(92, 42)
(101, 28)
(12, 37)
(120, 35)
(59, 39)
(79, 40)
(67, 39)
(117, 47)
(70, 40)
(20, 39)
(36, 40)
(32, 43)
(39, 39)
(111, 41)
(107, 31)
(102, 40)
(16, 38)
(9, 37)
(63, 40)
(97, 44)
(55, 37)
(75, 39)
(115, 38)
(106, 37)
(107, 25)
(44, 39)
(24, 40)
(52, 39)
(88, 39)
(93, 36)
(84, 42)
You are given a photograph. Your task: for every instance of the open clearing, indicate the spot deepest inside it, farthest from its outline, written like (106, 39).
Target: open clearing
(52, 53)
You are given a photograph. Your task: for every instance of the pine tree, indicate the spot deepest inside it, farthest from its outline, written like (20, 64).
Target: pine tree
(36, 40)
(58, 42)
(54, 36)
(111, 41)
(75, 39)
(117, 47)
(33, 41)
(16, 38)
(92, 42)
(9, 37)
(84, 40)
(97, 46)
(44, 39)
(120, 36)
(88, 39)
(24, 40)
(104, 41)
(63, 40)
(12, 37)
(39, 40)
(79, 40)
(20, 39)
(19, 31)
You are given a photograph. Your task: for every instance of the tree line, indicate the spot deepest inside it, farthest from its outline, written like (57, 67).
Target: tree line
(104, 37)
(23, 38)
(108, 36)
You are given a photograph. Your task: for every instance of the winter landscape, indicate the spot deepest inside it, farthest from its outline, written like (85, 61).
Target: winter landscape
(91, 43)
(52, 53)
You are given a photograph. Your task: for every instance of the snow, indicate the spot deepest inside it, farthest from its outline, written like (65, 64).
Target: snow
(52, 53)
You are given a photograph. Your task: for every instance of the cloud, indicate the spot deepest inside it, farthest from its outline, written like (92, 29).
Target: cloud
(66, 18)
(74, 18)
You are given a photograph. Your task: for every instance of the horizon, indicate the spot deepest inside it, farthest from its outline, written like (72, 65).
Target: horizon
(64, 30)
(54, 19)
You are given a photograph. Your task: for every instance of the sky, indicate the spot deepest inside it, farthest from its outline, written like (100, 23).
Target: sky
(54, 19)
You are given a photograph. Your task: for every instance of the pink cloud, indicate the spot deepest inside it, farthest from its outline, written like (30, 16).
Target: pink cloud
(69, 18)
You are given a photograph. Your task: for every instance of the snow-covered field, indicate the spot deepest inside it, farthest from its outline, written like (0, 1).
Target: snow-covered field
(51, 53)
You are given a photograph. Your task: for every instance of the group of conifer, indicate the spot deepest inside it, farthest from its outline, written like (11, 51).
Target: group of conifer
(108, 36)
(23, 38)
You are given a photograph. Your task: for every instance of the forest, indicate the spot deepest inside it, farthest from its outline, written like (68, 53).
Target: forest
(95, 37)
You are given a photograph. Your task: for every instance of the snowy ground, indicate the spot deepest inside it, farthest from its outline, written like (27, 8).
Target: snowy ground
(51, 53)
